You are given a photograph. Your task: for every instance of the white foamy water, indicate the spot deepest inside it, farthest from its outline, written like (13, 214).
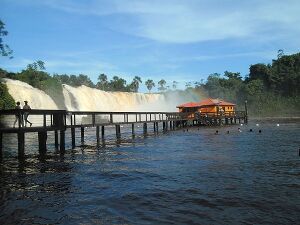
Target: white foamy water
(90, 99)
(84, 98)
(36, 98)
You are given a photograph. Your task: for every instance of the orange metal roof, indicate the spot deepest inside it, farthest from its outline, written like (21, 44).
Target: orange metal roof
(188, 105)
(205, 102)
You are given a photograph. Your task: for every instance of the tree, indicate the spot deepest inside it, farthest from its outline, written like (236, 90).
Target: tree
(174, 85)
(280, 53)
(161, 85)
(4, 48)
(118, 84)
(102, 82)
(38, 65)
(149, 84)
(260, 71)
(85, 80)
(6, 100)
(136, 83)
(188, 85)
(232, 75)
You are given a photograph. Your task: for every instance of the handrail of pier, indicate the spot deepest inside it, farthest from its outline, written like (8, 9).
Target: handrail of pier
(92, 118)
(47, 119)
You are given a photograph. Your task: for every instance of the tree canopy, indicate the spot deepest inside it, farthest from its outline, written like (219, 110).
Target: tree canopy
(4, 48)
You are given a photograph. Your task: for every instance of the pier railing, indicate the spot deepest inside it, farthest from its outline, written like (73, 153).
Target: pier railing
(13, 120)
(61, 119)
(86, 118)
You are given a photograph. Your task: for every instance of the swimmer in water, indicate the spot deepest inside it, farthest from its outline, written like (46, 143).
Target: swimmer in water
(228, 132)
(259, 131)
(250, 130)
(217, 132)
(239, 129)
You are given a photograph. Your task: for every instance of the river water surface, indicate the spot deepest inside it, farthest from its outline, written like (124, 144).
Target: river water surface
(178, 177)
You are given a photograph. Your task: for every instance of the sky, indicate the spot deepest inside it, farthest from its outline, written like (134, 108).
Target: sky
(175, 40)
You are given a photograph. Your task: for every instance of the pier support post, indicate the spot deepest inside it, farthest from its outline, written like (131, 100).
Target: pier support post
(42, 136)
(56, 139)
(226, 121)
(145, 128)
(132, 129)
(102, 131)
(154, 127)
(73, 136)
(1, 136)
(98, 134)
(62, 146)
(21, 144)
(118, 131)
(235, 120)
(82, 134)
(164, 126)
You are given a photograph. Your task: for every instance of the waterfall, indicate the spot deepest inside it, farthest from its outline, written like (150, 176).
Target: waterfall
(84, 98)
(90, 99)
(36, 98)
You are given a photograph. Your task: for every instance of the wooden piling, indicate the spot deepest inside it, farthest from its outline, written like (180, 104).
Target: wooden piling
(56, 139)
(132, 129)
(73, 136)
(98, 134)
(21, 144)
(62, 142)
(82, 134)
(42, 136)
(145, 128)
(118, 131)
(102, 131)
(1, 137)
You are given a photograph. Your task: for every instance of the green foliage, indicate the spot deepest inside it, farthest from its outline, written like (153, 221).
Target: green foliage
(74, 80)
(270, 89)
(102, 82)
(6, 100)
(4, 48)
(135, 84)
(149, 84)
(161, 85)
(118, 84)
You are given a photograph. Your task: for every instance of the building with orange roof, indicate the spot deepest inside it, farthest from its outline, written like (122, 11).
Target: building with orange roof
(208, 106)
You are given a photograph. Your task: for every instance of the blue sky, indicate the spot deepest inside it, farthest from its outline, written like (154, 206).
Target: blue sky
(181, 40)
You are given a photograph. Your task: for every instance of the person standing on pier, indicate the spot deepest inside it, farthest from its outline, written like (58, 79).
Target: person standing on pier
(18, 116)
(26, 106)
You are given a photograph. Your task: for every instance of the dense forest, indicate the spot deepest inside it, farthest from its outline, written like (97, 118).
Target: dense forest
(270, 90)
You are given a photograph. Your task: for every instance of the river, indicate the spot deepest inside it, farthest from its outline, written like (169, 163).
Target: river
(179, 177)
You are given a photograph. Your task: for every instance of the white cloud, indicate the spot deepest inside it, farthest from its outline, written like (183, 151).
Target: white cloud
(177, 21)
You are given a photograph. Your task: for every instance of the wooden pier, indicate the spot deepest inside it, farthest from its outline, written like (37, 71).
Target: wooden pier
(58, 121)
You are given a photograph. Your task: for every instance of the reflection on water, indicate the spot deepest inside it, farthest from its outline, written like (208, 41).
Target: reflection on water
(172, 178)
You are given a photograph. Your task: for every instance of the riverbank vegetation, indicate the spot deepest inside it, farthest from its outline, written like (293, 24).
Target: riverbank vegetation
(271, 89)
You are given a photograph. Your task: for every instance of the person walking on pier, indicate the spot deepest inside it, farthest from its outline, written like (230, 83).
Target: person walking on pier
(26, 106)
(18, 116)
